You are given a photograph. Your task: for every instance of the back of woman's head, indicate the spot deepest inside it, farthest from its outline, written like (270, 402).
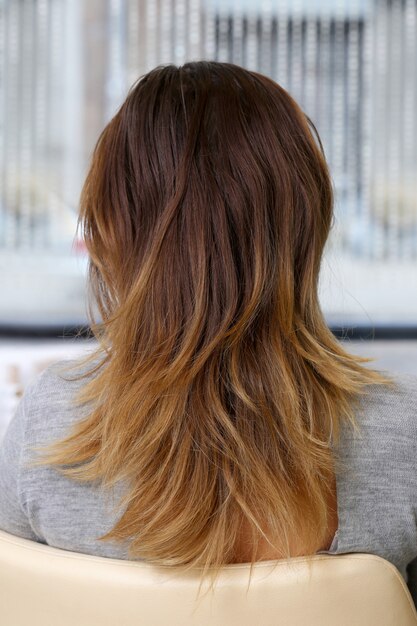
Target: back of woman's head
(209, 179)
(220, 388)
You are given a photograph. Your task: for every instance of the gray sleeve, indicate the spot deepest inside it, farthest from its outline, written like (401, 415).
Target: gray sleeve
(13, 518)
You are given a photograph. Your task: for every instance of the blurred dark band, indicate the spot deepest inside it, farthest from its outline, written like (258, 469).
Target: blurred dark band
(365, 333)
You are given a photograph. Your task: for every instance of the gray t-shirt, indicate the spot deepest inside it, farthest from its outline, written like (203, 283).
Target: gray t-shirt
(376, 492)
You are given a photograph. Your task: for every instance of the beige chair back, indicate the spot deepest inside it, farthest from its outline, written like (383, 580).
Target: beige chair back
(44, 586)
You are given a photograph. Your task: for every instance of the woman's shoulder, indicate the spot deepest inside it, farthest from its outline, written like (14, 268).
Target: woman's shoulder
(404, 387)
(50, 400)
(56, 373)
(394, 404)
(387, 423)
(56, 382)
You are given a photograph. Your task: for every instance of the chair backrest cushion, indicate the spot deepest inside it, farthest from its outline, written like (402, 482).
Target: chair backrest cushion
(45, 586)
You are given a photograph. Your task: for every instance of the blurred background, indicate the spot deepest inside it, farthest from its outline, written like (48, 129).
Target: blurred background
(66, 66)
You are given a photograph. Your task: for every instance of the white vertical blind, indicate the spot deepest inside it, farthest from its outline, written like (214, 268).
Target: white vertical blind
(408, 131)
(351, 64)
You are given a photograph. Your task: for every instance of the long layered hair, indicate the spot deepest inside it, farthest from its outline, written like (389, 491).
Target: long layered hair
(217, 391)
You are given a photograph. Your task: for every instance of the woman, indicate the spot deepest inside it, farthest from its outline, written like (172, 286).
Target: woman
(215, 422)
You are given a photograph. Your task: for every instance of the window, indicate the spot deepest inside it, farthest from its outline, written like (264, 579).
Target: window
(65, 66)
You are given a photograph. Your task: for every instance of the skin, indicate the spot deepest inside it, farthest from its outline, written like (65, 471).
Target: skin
(298, 547)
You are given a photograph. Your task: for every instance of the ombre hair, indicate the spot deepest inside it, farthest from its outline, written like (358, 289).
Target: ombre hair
(217, 390)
